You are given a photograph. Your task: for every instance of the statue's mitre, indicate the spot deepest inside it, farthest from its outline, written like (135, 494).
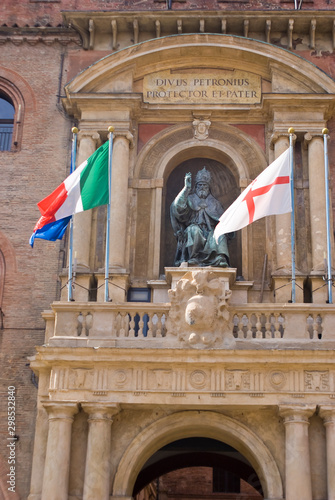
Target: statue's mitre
(203, 176)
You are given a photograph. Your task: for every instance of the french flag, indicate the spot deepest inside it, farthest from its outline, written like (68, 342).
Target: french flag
(85, 188)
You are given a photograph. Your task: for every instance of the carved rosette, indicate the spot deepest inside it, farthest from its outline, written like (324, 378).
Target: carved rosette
(199, 312)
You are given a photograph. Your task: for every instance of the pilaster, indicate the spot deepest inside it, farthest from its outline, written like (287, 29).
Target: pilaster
(123, 140)
(317, 200)
(82, 223)
(283, 266)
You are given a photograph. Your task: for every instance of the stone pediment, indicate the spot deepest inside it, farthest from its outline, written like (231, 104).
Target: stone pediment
(290, 81)
(125, 70)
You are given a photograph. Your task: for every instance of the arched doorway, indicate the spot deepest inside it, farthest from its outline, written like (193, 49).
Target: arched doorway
(198, 424)
(198, 466)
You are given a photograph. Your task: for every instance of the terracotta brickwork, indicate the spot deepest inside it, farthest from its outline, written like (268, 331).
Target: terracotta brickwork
(31, 275)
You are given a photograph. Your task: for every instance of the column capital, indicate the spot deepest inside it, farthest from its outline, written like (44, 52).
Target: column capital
(60, 410)
(100, 411)
(296, 414)
(327, 413)
(89, 134)
(309, 136)
(280, 135)
(126, 134)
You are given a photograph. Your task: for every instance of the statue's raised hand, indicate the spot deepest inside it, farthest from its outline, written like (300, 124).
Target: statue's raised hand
(188, 180)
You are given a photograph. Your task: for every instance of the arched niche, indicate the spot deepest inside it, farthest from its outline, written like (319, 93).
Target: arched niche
(223, 187)
(234, 159)
(198, 424)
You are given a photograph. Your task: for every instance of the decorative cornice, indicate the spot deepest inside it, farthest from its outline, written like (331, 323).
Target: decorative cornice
(33, 36)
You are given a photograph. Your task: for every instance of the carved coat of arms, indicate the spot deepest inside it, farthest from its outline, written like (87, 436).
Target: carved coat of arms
(199, 314)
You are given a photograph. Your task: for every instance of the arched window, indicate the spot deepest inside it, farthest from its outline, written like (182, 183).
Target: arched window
(7, 112)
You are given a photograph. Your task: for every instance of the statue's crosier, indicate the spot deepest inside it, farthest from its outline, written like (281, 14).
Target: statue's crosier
(194, 215)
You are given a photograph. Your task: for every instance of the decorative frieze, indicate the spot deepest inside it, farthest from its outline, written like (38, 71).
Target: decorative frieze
(213, 381)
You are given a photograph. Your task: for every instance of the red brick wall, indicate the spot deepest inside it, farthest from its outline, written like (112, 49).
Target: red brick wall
(196, 482)
(31, 274)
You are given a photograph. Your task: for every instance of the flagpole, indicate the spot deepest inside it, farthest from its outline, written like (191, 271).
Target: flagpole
(74, 131)
(291, 133)
(325, 133)
(110, 152)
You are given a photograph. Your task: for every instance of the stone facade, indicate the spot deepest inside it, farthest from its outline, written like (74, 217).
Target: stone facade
(215, 354)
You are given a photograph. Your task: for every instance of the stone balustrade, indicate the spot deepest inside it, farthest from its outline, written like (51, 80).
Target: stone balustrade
(90, 323)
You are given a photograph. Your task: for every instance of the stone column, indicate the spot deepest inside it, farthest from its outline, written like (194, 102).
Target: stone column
(57, 460)
(327, 413)
(40, 445)
(297, 460)
(88, 142)
(119, 199)
(98, 456)
(283, 221)
(317, 200)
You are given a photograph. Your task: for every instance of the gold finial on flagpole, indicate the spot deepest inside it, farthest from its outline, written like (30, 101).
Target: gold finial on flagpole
(291, 130)
(74, 130)
(111, 129)
(325, 131)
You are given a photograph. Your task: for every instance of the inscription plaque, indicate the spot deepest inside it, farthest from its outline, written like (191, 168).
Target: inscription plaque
(221, 87)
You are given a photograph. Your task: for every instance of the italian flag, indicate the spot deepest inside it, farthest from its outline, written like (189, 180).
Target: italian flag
(85, 188)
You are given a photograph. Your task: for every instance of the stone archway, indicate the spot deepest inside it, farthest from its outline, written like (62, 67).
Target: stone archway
(192, 424)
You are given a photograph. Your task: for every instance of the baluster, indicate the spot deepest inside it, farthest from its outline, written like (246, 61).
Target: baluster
(240, 333)
(131, 324)
(268, 326)
(315, 327)
(249, 326)
(320, 328)
(140, 324)
(117, 325)
(277, 325)
(259, 334)
(124, 324)
(150, 326)
(160, 326)
(309, 326)
(283, 325)
(162, 319)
